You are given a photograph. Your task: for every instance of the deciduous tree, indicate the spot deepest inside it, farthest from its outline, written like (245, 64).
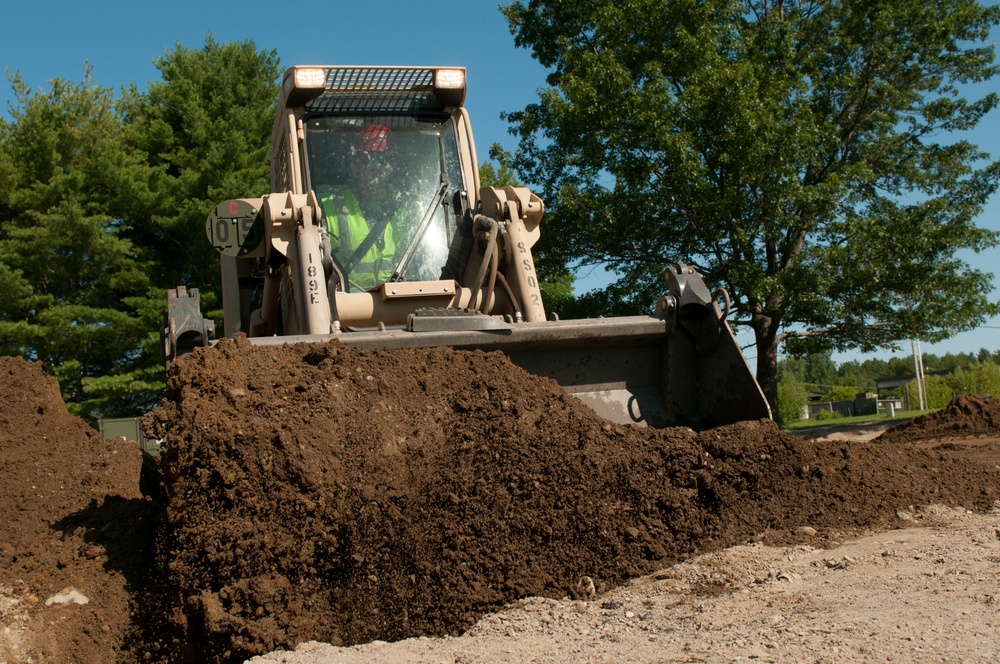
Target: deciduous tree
(803, 155)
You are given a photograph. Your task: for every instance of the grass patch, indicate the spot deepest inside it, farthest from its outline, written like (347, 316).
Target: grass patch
(900, 416)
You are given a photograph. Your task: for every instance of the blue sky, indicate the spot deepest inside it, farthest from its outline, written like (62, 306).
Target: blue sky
(120, 40)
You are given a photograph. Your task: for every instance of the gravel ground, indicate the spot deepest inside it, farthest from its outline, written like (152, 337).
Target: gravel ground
(925, 593)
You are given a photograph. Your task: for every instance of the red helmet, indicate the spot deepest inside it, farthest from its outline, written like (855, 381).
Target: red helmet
(377, 138)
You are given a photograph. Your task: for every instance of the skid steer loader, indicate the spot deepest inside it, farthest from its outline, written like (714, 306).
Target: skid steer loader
(378, 234)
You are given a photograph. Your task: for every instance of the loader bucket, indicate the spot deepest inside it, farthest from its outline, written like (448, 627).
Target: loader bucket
(678, 367)
(629, 370)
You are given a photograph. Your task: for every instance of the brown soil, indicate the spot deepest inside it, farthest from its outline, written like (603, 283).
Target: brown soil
(73, 518)
(333, 494)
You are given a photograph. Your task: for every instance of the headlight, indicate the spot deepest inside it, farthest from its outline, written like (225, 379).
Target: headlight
(449, 78)
(449, 86)
(309, 77)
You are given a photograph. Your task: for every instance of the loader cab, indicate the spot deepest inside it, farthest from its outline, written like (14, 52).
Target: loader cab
(387, 186)
(390, 156)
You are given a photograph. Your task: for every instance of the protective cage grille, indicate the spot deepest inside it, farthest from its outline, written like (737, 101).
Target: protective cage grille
(377, 90)
(377, 102)
(388, 79)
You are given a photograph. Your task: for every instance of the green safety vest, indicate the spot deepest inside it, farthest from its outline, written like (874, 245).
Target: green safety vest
(348, 229)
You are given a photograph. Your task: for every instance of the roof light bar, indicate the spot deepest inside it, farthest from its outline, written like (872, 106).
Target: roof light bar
(302, 84)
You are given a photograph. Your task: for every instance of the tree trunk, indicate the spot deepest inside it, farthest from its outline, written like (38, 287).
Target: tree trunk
(766, 333)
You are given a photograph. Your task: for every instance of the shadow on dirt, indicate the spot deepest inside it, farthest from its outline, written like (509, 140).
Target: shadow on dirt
(125, 528)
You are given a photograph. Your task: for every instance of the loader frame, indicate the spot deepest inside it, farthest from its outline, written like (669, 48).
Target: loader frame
(282, 283)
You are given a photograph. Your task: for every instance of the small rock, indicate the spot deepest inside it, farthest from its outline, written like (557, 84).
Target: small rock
(805, 530)
(68, 595)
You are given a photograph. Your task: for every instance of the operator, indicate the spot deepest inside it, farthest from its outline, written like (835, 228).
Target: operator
(365, 220)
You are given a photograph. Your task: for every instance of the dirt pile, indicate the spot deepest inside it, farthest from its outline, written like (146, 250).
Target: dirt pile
(75, 527)
(333, 494)
(966, 415)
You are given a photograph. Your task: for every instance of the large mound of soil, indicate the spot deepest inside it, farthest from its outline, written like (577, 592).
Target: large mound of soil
(73, 520)
(335, 494)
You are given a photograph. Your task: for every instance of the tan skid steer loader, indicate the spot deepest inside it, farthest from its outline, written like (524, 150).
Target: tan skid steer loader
(382, 237)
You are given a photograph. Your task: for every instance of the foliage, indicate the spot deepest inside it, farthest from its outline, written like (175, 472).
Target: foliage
(984, 355)
(947, 362)
(72, 286)
(937, 393)
(817, 372)
(856, 374)
(840, 393)
(796, 153)
(820, 370)
(204, 129)
(499, 175)
(827, 415)
(792, 399)
(979, 378)
(792, 367)
(102, 208)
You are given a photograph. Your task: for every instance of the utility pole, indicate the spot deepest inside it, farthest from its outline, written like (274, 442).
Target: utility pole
(918, 367)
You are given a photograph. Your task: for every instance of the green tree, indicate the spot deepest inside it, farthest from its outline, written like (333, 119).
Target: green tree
(948, 361)
(821, 372)
(103, 203)
(73, 292)
(900, 366)
(204, 129)
(938, 392)
(798, 154)
(500, 174)
(792, 367)
(840, 393)
(792, 399)
(856, 374)
(979, 378)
